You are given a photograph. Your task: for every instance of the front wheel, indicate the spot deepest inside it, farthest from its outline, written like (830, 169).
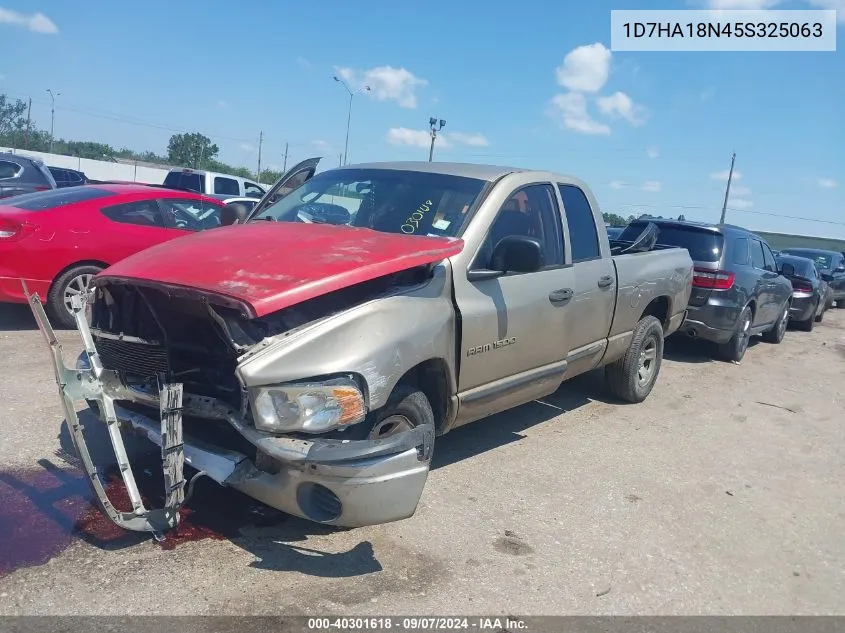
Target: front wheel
(406, 408)
(775, 335)
(632, 377)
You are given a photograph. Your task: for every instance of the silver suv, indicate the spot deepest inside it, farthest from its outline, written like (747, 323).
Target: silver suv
(23, 174)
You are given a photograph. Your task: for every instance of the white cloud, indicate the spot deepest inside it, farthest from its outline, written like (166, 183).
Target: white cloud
(247, 147)
(322, 146)
(412, 138)
(741, 4)
(571, 110)
(473, 140)
(386, 83)
(585, 69)
(304, 63)
(36, 22)
(723, 175)
(827, 183)
(740, 191)
(651, 185)
(618, 184)
(652, 152)
(741, 203)
(838, 5)
(621, 105)
(422, 138)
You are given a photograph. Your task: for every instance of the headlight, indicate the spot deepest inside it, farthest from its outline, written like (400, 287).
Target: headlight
(307, 407)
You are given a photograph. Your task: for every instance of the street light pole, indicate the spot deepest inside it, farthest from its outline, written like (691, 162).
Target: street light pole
(433, 122)
(728, 189)
(352, 93)
(52, 114)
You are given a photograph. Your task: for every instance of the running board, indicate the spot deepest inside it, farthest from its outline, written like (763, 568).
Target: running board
(87, 384)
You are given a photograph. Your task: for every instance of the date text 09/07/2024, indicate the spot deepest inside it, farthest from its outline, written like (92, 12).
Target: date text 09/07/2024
(726, 29)
(415, 623)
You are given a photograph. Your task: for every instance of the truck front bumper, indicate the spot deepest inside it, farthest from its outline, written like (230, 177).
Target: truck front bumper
(347, 483)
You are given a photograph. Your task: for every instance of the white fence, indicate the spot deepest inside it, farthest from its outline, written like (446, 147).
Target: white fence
(98, 169)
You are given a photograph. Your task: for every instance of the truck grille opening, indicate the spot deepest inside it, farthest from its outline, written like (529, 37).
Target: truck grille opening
(146, 334)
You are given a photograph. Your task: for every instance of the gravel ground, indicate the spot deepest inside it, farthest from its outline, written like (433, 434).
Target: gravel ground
(721, 494)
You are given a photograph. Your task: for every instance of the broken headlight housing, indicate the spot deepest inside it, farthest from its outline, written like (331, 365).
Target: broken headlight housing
(308, 407)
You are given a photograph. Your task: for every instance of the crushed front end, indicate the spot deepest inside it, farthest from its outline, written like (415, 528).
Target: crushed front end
(165, 363)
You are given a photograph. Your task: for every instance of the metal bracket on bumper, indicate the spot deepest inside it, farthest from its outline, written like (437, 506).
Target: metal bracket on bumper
(87, 384)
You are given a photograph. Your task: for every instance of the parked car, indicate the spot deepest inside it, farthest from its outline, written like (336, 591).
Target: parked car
(23, 174)
(68, 177)
(737, 290)
(210, 183)
(811, 295)
(246, 202)
(58, 240)
(334, 354)
(831, 265)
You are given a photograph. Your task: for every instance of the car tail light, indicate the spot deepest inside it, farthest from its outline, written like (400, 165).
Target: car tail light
(12, 231)
(41, 188)
(712, 279)
(797, 286)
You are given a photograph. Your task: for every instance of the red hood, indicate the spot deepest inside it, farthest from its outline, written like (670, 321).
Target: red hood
(273, 265)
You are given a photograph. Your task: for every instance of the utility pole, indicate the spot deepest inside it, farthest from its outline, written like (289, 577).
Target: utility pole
(260, 141)
(285, 164)
(434, 129)
(728, 189)
(352, 93)
(52, 114)
(28, 124)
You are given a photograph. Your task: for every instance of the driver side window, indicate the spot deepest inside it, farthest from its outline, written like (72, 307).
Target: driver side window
(531, 211)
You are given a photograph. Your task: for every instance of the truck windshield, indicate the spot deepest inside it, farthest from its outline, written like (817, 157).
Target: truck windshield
(186, 181)
(703, 245)
(386, 200)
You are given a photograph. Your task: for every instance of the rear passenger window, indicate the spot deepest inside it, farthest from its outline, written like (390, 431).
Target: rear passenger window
(9, 169)
(740, 251)
(583, 236)
(143, 213)
(769, 258)
(226, 186)
(758, 260)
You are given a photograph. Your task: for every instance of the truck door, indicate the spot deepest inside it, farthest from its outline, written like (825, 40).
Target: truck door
(591, 311)
(513, 340)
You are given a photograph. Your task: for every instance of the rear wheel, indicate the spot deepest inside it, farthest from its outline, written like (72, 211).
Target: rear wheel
(632, 377)
(734, 350)
(74, 281)
(808, 325)
(820, 315)
(775, 335)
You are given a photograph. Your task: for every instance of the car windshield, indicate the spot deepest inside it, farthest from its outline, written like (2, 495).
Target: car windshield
(386, 200)
(822, 260)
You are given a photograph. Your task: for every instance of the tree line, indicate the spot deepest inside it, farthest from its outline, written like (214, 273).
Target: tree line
(190, 149)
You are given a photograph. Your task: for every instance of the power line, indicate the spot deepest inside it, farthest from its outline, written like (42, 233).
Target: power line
(789, 217)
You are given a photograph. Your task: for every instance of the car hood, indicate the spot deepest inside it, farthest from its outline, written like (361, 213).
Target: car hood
(268, 266)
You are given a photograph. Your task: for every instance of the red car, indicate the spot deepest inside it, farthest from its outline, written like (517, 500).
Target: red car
(58, 240)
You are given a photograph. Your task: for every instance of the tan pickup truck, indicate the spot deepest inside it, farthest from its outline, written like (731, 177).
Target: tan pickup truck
(310, 356)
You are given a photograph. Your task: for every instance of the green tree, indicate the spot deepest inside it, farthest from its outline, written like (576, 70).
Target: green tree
(269, 177)
(614, 220)
(12, 115)
(192, 149)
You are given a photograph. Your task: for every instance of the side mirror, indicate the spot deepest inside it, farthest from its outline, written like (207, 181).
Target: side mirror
(787, 270)
(518, 254)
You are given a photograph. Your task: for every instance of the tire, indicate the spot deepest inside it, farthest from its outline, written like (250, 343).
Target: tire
(808, 325)
(776, 333)
(64, 284)
(406, 408)
(734, 350)
(632, 377)
(840, 303)
(820, 315)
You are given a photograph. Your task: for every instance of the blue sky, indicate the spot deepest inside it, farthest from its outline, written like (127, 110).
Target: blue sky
(536, 86)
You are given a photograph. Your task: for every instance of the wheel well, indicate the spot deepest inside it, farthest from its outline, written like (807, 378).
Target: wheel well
(432, 378)
(753, 305)
(658, 308)
(84, 262)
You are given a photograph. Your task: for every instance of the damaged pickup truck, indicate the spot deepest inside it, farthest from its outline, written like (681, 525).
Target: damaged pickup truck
(309, 356)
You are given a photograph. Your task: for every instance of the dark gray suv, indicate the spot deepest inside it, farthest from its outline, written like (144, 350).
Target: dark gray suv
(22, 174)
(737, 290)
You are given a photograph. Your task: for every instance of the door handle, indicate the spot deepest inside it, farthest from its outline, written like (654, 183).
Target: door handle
(561, 297)
(606, 281)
